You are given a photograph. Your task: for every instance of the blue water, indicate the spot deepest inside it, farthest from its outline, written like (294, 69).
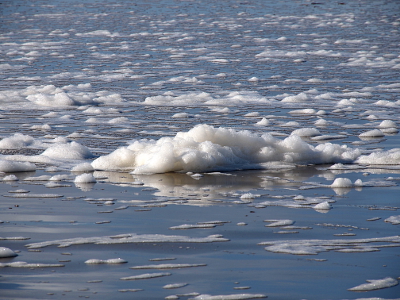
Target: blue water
(329, 50)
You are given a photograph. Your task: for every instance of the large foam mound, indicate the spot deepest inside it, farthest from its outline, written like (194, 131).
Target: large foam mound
(205, 148)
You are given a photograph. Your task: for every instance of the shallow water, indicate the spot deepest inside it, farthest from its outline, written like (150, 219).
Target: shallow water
(214, 91)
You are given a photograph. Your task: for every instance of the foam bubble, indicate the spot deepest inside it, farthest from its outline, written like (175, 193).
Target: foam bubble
(341, 183)
(85, 178)
(7, 252)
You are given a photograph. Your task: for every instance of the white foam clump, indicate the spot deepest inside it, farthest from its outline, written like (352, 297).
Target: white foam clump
(83, 167)
(202, 98)
(302, 97)
(110, 261)
(321, 122)
(44, 127)
(192, 226)
(346, 102)
(248, 196)
(85, 178)
(306, 132)
(100, 32)
(390, 157)
(229, 297)
(395, 220)
(15, 166)
(180, 115)
(279, 223)
(170, 99)
(372, 134)
(16, 141)
(23, 264)
(304, 111)
(50, 95)
(57, 99)
(72, 150)
(205, 148)
(263, 122)
(6, 252)
(375, 284)
(59, 177)
(315, 246)
(387, 124)
(341, 183)
(11, 177)
(252, 114)
(323, 206)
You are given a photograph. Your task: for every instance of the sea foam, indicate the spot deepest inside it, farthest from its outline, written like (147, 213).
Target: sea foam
(206, 148)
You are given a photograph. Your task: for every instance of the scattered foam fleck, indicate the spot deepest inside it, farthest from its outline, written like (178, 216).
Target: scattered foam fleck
(168, 266)
(174, 285)
(145, 276)
(192, 226)
(128, 238)
(95, 261)
(375, 284)
(278, 223)
(23, 264)
(229, 297)
(313, 247)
